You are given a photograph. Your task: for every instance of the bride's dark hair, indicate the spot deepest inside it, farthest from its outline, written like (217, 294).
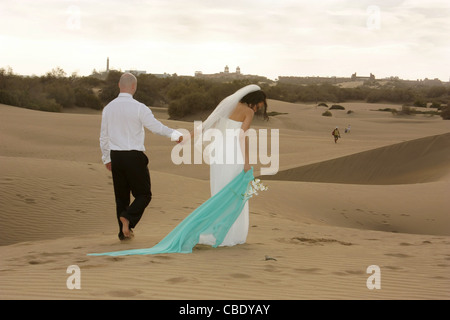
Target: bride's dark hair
(255, 97)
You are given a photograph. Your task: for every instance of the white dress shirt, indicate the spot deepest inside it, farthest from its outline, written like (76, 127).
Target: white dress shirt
(123, 122)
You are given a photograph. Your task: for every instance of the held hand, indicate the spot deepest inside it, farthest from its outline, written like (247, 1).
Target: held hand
(185, 137)
(108, 166)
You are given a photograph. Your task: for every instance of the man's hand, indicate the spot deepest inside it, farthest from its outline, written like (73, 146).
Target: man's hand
(108, 166)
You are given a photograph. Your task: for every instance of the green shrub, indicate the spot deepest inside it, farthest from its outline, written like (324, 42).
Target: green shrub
(420, 103)
(327, 114)
(189, 104)
(336, 107)
(445, 112)
(436, 105)
(407, 110)
(7, 97)
(393, 110)
(85, 98)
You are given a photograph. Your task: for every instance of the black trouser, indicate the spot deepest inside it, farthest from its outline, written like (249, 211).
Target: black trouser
(130, 174)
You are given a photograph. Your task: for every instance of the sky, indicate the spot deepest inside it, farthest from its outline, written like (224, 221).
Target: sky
(404, 38)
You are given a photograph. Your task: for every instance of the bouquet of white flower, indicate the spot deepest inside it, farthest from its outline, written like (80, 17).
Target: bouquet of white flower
(253, 187)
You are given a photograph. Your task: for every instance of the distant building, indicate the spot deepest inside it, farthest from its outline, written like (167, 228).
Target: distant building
(136, 72)
(319, 80)
(226, 75)
(161, 75)
(356, 78)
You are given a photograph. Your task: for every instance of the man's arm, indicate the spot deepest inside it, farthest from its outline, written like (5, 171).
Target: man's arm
(151, 123)
(104, 141)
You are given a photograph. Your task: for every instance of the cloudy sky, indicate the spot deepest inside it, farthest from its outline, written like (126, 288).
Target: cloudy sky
(405, 38)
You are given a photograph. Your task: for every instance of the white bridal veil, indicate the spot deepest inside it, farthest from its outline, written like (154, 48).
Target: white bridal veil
(223, 110)
(227, 105)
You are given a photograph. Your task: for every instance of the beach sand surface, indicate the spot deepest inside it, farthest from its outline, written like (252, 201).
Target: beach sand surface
(377, 197)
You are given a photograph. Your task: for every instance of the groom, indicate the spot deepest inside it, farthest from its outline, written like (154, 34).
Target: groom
(122, 144)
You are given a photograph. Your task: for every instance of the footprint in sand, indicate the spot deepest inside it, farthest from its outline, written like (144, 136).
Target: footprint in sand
(52, 254)
(308, 270)
(348, 272)
(270, 268)
(176, 280)
(163, 257)
(392, 267)
(344, 215)
(355, 271)
(319, 241)
(124, 293)
(398, 255)
(81, 260)
(269, 258)
(33, 262)
(240, 275)
(115, 259)
(26, 200)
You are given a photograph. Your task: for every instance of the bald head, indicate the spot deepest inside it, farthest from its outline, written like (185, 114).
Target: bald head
(128, 83)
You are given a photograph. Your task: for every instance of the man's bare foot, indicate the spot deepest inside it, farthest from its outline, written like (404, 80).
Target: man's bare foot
(125, 227)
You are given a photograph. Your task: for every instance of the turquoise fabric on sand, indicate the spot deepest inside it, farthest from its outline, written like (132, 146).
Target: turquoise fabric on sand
(215, 216)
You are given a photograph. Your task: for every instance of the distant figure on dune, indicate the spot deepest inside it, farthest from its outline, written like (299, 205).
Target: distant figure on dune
(336, 134)
(347, 130)
(122, 144)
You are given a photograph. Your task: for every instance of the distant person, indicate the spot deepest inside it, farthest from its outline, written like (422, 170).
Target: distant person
(122, 144)
(336, 134)
(347, 130)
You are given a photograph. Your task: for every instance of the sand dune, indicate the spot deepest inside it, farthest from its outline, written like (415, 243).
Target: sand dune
(417, 161)
(377, 197)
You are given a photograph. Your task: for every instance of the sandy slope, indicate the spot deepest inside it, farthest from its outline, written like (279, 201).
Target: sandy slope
(417, 161)
(377, 197)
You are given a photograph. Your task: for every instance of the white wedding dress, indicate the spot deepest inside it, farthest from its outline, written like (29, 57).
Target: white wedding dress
(224, 168)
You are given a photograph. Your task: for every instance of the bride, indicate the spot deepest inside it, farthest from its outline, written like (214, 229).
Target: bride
(222, 220)
(235, 113)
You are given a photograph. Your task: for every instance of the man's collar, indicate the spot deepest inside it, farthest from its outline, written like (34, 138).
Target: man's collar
(124, 94)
